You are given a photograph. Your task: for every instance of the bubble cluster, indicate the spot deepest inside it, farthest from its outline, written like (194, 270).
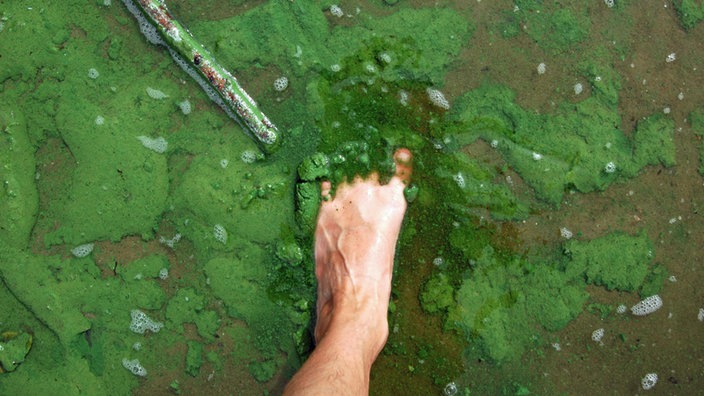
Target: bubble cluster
(158, 145)
(93, 73)
(170, 242)
(141, 323)
(82, 250)
(134, 367)
(336, 11)
(578, 88)
(437, 98)
(185, 106)
(610, 167)
(541, 68)
(647, 306)
(280, 84)
(450, 389)
(597, 335)
(565, 233)
(459, 179)
(156, 94)
(403, 97)
(248, 156)
(649, 381)
(163, 273)
(220, 233)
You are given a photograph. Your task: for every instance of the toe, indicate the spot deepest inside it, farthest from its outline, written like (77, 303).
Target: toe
(404, 165)
(325, 188)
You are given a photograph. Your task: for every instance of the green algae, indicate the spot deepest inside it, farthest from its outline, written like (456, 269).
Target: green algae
(14, 348)
(469, 184)
(554, 28)
(299, 39)
(567, 149)
(264, 283)
(240, 282)
(437, 294)
(18, 200)
(502, 294)
(188, 306)
(690, 12)
(696, 120)
(617, 261)
(194, 358)
(57, 308)
(144, 268)
(82, 322)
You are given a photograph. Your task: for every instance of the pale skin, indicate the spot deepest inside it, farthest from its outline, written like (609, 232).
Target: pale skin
(355, 242)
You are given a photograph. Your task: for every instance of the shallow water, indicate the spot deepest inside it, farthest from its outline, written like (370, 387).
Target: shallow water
(236, 314)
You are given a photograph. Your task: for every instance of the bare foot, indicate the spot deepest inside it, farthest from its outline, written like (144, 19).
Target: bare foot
(355, 242)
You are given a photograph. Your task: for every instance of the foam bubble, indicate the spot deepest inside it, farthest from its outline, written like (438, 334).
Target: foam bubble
(280, 84)
(156, 94)
(134, 367)
(647, 306)
(248, 156)
(578, 88)
(336, 11)
(82, 250)
(185, 106)
(649, 381)
(141, 322)
(597, 335)
(158, 144)
(437, 98)
(541, 68)
(220, 233)
(565, 233)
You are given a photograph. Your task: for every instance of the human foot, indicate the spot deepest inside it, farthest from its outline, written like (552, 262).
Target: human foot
(355, 243)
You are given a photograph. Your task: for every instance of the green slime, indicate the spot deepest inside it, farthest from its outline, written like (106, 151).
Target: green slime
(106, 186)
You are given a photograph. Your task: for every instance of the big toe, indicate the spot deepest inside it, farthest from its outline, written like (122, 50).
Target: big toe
(404, 164)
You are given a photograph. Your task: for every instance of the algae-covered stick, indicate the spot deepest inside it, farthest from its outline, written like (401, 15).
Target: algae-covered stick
(159, 27)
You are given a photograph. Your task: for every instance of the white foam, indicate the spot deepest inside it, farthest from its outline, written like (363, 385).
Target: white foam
(437, 98)
(141, 323)
(82, 250)
(220, 233)
(647, 306)
(158, 144)
(134, 367)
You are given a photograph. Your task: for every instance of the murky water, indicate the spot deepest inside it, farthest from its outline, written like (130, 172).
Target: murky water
(77, 91)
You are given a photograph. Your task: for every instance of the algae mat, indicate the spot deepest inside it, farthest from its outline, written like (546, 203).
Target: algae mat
(148, 247)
